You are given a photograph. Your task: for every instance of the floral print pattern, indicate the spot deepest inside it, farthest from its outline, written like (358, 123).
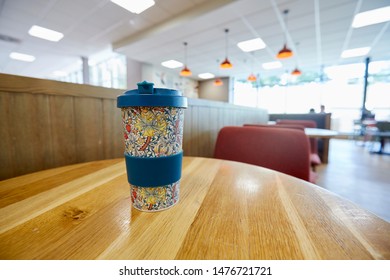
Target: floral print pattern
(153, 132)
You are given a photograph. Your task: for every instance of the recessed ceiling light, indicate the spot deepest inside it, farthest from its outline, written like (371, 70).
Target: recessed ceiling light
(206, 76)
(251, 45)
(22, 57)
(272, 65)
(134, 6)
(371, 17)
(44, 33)
(172, 64)
(355, 52)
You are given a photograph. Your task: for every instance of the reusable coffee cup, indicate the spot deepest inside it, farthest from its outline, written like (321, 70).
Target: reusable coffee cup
(153, 134)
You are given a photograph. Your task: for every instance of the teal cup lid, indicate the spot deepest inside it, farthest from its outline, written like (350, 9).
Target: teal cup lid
(147, 95)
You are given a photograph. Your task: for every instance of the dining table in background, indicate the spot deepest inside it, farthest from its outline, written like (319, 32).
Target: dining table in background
(380, 137)
(227, 210)
(325, 135)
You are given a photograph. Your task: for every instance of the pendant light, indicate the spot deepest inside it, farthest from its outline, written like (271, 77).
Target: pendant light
(218, 82)
(226, 63)
(185, 71)
(285, 52)
(296, 71)
(251, 77)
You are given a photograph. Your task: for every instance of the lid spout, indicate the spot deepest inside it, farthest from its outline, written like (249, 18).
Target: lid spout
(145, 87)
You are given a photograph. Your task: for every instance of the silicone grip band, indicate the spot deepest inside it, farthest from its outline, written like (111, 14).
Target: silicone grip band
(153, 171)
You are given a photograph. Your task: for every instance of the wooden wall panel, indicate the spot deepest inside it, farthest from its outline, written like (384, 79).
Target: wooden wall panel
(187, 132)
(7, 164)
(89, 129)
(46, 124)
(29, 133)
(63, 130)
(113, 143)
(194, 136)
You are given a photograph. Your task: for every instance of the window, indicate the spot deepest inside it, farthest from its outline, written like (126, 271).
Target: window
(341, 94)
(108, 71)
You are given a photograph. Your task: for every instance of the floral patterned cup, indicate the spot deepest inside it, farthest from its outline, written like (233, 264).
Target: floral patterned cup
(153, 133)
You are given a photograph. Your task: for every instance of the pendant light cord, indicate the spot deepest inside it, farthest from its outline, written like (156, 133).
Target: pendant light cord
(226, 42)
(285, 12)
(185, 53)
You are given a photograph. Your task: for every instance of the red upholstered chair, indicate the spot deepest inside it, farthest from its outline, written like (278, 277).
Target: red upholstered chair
(314, 157)
(283, 150)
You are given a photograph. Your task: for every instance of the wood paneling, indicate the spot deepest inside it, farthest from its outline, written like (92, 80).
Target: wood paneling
(112, 130)
(63, 127)
(46, 124)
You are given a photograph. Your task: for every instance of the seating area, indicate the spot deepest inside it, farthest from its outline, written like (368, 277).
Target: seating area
(314, 157)
(282, 149)
(378, 132)
(194, 138)
(322, 121)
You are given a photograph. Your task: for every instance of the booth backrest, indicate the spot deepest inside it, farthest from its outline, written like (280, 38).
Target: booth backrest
(322, 120)
(283, 150)
(304, 123)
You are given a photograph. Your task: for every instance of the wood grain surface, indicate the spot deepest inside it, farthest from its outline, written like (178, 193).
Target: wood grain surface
(227, 210)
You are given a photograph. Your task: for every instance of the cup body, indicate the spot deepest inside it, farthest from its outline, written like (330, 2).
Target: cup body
(153, 131)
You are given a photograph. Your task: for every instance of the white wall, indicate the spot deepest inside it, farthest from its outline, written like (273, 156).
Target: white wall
(166, 79)
(207, 90)
(134, 73)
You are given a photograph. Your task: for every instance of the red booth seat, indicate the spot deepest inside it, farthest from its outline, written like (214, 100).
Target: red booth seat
(314, 157)
(283, 150)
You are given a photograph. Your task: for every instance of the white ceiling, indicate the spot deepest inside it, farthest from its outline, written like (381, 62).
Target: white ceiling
(317, 30)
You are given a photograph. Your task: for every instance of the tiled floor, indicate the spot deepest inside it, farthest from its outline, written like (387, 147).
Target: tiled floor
(358, 175)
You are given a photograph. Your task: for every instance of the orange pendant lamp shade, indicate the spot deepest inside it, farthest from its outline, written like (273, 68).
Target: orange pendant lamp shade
(252, 78)
(218, 82)
(285, 52)
(296, 72)
(226, 64)
(185, 72)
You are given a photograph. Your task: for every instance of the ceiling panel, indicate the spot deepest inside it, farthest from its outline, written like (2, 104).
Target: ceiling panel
(91, 26)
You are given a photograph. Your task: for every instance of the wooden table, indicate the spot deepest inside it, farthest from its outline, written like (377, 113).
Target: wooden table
(325, 135)
(320, 133)
(227, 210)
